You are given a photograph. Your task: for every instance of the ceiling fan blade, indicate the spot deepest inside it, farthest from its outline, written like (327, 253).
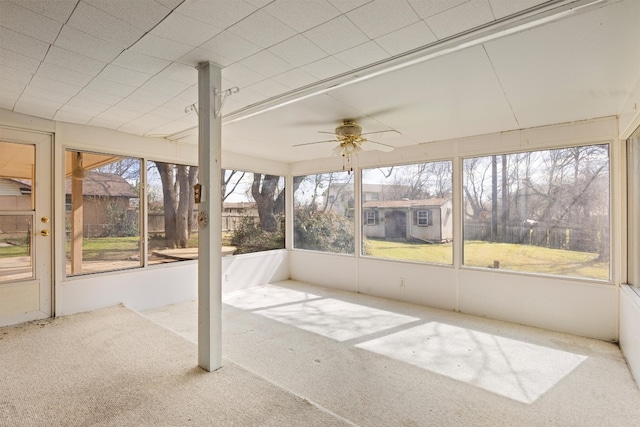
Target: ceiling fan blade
(381, 147)
(328, 133)
(380, 132)
(315, 142)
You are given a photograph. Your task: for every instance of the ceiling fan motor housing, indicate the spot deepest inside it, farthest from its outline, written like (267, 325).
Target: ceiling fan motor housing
(348, 128)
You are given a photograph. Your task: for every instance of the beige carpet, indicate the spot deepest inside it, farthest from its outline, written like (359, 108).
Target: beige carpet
(113, 367)
(382, 363)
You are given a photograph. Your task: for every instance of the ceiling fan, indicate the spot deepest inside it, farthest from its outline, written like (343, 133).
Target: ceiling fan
(351, 141)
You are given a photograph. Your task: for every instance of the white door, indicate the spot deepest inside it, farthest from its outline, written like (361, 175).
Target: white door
(26, 226)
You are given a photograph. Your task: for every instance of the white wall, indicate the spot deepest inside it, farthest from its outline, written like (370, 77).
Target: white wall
(630, 329)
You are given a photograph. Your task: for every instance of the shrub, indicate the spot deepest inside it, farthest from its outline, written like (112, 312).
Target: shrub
(323, 231)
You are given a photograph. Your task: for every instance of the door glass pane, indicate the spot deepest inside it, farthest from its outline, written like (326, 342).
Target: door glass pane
(15, 247)
(17, 165)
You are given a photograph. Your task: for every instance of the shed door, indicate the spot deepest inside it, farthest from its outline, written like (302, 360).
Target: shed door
(26, 226)
(395, 225)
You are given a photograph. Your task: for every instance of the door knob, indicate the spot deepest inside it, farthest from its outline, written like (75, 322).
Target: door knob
(44, 233)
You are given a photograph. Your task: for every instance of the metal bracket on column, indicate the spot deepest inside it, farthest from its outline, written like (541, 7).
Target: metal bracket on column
(221, 97)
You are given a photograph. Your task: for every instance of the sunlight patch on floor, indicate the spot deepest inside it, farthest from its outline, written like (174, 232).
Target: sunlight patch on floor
(336, 319)
(260, 297)
(518, 370)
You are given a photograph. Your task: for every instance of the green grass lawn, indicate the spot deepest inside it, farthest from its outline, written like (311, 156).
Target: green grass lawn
(511, 257)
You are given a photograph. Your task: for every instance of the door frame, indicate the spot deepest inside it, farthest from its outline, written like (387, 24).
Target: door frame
(43, 245)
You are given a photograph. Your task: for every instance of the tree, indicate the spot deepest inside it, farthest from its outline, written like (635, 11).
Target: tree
(177, 190)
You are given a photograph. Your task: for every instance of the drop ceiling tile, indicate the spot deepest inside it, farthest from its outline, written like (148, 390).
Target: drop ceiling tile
(336, 35)
(295, 78)
(165, 86)
(381, 17)
(231, 46)
(169, 113)
(100, 24)
(346, 5)
(360, 56)
(140, 62)
(36, 107)
(258, 4)
(425, 9)
(135, 127)
(15, 75)
(110, 121)
(190, 94)
(168, 128)
(180, 73)
(269, 88)
(407, 38)
(502, 8)
(8, 99)
(178, 105)
(25, 45)
(247, 96)
(111, 88)
(94, 107)
(326, 68)
(47, 95)
(151, 120)
(72, 116)
(124, 75)
(137, 106)
(298, 51)
(121, 113)
(15, 60)
(11, 86)
(73, 61)
(266, 64)
(86, 44)
(185, 29)
(461, 18)
(28, 22)
(54, 86)
(240, 75)
(171, 4)
(141, 14)
(78, 111)
(149, 96)
(64, 75)
(262, 29)
(58, 10)
(219, 13)
(302, 15)
(198, 55)
(159, 47)
(98, 97)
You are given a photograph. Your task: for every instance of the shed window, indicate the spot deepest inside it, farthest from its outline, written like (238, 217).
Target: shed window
(423, 218)
(371, 217)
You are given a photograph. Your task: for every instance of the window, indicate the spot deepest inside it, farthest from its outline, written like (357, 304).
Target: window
(424, 218)
(371, 217)
(539, 211)
(103, 222)
(172, 226)
(252, 212)
(323, 207)
(407, 200)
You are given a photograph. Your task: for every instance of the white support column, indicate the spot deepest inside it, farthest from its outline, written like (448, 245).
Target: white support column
(209, 226)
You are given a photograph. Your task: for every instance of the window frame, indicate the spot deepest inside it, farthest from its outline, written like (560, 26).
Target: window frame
(538, 148)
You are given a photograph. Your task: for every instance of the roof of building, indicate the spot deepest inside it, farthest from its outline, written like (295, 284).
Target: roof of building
(404, 203)
(104, 184)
